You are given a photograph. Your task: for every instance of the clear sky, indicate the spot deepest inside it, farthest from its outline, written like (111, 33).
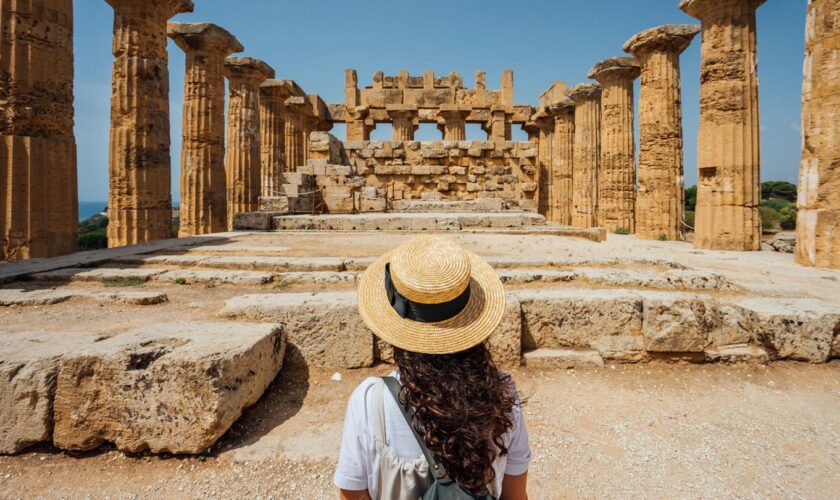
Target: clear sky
(313, 41)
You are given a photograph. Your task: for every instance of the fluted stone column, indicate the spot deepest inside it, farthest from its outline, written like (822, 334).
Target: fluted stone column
(359, 126)
(617, 173)
(660, 199)
(728, 184)
(242, 158)
(587, 153)
(404, 122)
(498, 127)
(295, 138)
(545, 176)
(273, 95)
(452, 120)
(818, 200)
(203, 191)
(562, 160)
(140, 195)
(39, 215)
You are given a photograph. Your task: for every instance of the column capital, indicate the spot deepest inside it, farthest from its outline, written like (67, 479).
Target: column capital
(173, 6)
(583, 92)
(699, 9)
(453, 112)
(666, 38)
(565, 106)
(615, 69)
(247, 67)
(402, 112)
(203, 37)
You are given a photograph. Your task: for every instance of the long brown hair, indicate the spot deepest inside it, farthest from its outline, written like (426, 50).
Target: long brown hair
(464, 406)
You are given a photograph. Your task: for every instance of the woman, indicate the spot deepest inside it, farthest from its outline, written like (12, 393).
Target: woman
(436, 304)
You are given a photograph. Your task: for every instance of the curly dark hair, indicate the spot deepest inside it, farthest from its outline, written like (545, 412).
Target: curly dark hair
(464, 405)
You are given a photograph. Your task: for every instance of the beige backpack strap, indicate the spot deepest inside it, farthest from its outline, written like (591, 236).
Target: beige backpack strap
(379, 411)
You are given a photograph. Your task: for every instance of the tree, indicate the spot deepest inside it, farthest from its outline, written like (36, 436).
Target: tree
(691, 198)
(778, 189)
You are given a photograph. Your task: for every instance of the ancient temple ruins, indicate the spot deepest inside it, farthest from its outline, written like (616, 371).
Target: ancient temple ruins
(274, 155)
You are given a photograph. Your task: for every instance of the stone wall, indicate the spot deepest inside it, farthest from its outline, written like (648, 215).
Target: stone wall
(452, 170)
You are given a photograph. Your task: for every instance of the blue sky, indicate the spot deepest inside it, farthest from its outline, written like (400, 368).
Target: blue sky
(542, 41)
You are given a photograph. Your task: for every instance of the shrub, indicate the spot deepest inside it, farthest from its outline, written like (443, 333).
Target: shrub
(93, 240)
(180, 281)
(689, 218)
(662, 237)
(787, 217)
(622, 230)
(123, 282)
(778, 189)
(769, 217)
(776, 204)
(691, 198)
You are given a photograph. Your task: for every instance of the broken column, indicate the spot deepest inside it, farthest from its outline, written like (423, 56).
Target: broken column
(818, 200)
(359, 126)
(661, 185)
(498, 127)
(452, 121)
(617, 173)
(562, 160)
(728, 184)
(587, 153)
(273, 95)
(242, 159)
(203, 193)
(404, 121)
(140, 195)
(37, 145)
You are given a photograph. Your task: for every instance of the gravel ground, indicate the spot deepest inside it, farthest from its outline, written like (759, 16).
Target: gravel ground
(655, 430)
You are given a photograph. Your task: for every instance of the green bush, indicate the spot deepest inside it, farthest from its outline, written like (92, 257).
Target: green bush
(787, 217)
(176, 225)
(769, 217)
(689, 218)
(776, 204)
(622, 230)
(93, 240)
(778, 189)
(691, 198)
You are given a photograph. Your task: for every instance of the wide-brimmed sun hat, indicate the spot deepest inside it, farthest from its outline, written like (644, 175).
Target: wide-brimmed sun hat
(431, 296)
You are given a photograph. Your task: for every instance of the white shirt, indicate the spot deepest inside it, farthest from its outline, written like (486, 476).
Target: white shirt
(358, 462)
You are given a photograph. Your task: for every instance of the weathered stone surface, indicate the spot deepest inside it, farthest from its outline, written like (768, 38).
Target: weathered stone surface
(37, 145)
(140, 195)
(783, 241)
(660, 197)
(18, 297)
(800, 329)
(676, 322)
(562, 159)
(728, 185)
(189, 276)
(29, 363)
(324, 329)
(505, 343)
(617, 171)
(242, 156)
(587, 153)
(173, 387)
(818, 199)
(203, 178)
(99, 274)
(743, 353)
(546, 358)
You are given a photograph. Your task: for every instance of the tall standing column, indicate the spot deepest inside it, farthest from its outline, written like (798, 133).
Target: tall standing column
(587, 153)
(404, 120)
(140, 196)
(498, 127)
(728, 184)
(39, 216)
(617, 174)
(545, 176)
(818, 201)
(242, 159)
(203, 192)
(273, 95)
(295, 132)
(660, 199)
(562, 159)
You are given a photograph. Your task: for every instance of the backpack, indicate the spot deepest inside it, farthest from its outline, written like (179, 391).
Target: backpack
(443, 487)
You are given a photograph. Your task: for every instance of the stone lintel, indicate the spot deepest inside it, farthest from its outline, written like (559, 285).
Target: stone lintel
(583, 92)
(666, 38)
(247, 67)
(555, 92)
(566, 105)
(203, 37)
(615, 68)
(698, 9)
(174, 6)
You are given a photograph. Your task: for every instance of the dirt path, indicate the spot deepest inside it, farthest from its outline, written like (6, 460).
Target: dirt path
(653, 430)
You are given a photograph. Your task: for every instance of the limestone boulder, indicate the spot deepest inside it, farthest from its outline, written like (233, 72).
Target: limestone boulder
(323, 329)
(505, 343)
(800, 329)
(547, 358)
(29, 364)
(174, 387)
(676, 322)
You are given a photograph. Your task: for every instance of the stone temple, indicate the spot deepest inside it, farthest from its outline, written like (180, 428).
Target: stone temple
(279, 217)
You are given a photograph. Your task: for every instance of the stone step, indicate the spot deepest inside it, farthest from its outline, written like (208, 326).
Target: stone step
(174, 387)
(248, 249)
(418, 221)
(546, 358)
(102, 274)
(673, 279)
(483, 205)
(621, 325)
(19, 297)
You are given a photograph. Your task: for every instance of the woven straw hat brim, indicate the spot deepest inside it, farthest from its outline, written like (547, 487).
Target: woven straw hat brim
(470, 327)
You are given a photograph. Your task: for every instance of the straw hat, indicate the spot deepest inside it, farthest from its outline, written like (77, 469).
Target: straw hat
(430, 276)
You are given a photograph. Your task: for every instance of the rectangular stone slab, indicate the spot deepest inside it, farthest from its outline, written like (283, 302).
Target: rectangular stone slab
(174, 387)
(29, 363)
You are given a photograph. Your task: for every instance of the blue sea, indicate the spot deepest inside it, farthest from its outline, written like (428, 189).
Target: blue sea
(88, 208)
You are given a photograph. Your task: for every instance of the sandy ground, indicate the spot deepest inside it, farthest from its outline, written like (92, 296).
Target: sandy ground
(656, 430)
